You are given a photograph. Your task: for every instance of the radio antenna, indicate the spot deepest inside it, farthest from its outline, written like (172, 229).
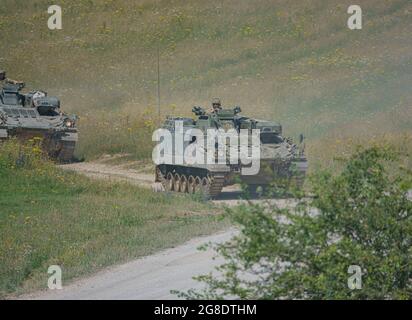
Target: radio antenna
(158, 84)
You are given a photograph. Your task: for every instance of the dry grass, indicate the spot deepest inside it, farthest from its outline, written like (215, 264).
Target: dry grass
(342, 147)
(384, 128)
(292, 61)
(49, 216)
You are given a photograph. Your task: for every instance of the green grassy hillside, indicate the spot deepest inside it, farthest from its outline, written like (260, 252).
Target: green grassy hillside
(295, 61)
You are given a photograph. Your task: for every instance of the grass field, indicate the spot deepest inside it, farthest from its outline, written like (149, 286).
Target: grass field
(294, 61)
(49, 216)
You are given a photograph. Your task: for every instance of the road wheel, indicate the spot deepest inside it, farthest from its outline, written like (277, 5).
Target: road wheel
(183, 184)
(176, 182)
(191, 187)
(198, 184)
(170, 184)
(205, 185)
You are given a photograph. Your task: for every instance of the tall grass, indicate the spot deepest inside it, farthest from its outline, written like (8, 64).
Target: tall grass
(112, 132)
(341, 147)
(49, 216)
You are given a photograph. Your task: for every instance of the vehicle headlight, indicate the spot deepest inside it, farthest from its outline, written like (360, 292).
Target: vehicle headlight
(69, 123)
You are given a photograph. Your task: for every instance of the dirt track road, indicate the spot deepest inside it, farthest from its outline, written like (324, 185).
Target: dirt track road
(121, 172)
(150, 277)
(128, 171)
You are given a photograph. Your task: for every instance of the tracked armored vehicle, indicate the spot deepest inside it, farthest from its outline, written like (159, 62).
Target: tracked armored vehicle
(279, 157)
(35, 114)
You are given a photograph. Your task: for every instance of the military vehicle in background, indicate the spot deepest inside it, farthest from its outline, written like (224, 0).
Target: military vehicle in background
(35, 114)
(280, 158)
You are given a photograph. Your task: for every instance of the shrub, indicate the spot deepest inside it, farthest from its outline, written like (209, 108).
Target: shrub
(359, 216)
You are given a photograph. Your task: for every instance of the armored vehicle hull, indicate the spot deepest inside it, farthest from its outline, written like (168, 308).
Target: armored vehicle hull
(23, 117)
(278, 157)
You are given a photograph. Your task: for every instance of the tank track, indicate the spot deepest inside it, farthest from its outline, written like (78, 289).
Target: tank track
(66, 152)
(215, 188)
(209, 186)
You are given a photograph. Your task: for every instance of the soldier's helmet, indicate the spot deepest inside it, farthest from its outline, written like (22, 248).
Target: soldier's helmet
(216, 103)
(2, 75)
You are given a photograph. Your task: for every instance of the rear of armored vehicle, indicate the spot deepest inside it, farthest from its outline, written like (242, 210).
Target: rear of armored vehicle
(280, 158)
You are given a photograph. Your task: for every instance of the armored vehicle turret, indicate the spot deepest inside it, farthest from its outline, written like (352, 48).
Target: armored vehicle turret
(35, 114)
(233, 148)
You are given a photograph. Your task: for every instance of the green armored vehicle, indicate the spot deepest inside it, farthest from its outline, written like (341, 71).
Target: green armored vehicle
(35, 114)
(277, 157)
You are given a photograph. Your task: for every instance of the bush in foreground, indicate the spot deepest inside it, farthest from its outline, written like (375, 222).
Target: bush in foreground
(358, 217)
